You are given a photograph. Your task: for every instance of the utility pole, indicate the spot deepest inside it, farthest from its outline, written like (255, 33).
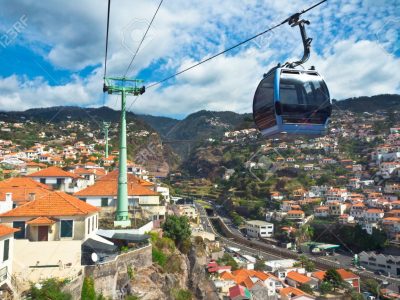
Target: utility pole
(106, 126)
(122, 86)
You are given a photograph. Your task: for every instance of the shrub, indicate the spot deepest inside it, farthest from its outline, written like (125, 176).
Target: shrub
(158, 257)
(50, 289)
(182, 294)
(88, 292)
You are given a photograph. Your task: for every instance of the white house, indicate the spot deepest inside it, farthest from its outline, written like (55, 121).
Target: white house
(55, 223)
(60, 179)
(140, 194)
(336, 195)
(256, 228)
(321, 211)
(164, 191)
(6, 255)
(373, 215)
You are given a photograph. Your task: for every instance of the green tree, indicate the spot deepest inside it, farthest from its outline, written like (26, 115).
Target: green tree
(259, 265)
(88, 292)
(177, 228)
(227, 260)
(49, 289)
(306, 288)
(325, 287)
(371, 285)
(333, 277)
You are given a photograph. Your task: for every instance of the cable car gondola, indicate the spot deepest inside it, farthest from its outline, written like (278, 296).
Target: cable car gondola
(292, 100)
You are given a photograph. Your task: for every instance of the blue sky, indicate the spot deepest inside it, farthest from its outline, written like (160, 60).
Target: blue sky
(52, 52)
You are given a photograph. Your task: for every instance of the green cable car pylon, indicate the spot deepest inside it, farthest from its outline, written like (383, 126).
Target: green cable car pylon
(106, 126)
(122, 86)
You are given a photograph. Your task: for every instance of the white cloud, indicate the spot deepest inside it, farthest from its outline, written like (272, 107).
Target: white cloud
(361, 68)
(72, 36)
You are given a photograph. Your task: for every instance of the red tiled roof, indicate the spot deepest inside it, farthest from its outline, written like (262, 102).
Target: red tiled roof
(300, 278)
(53, 204)
(374, 210)
(22, 182)
(53, 172)
(113, 176)
(41, 221)
(22, 188)
(344, 274)
(5, 230)
(295, 212)
(291, 291)
(110, 188)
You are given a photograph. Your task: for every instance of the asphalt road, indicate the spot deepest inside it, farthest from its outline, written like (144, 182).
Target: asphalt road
(339, 260)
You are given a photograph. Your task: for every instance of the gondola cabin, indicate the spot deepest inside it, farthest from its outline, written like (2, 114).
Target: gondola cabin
(292, 101)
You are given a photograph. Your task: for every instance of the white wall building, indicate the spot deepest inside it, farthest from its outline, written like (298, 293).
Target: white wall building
(258, 228)
(388, 263)
(6, 254)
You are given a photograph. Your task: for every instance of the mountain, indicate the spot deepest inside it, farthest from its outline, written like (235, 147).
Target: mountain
(160, 124)
(190, 132)
(144, 143)
(369, 104)
(58, 114)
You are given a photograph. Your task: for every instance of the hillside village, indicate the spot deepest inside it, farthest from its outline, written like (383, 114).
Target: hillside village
(300, 198)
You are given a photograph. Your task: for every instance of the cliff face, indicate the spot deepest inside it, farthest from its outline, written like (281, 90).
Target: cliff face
(201, 287)
(152, 283)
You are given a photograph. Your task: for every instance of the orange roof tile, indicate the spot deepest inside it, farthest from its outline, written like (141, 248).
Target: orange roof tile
(52, 204)
(110, 188)
(291, 291)
(298, 277)
(113, 176)
(295, 212)
(5, 230)
(374, 210)
(22, 188)
(41, 221)
(22, 182)
(53, 172)
(226, 276)
(344, 274)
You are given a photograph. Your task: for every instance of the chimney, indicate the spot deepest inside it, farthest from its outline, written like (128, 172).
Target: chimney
(8, 197)
(31, 196)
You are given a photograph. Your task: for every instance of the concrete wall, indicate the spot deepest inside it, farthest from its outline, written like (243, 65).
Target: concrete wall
(61, 258)
(111, 276)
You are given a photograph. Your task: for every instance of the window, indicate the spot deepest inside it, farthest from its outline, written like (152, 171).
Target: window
(93, 223)
(43, 180)
(66, 228)
(88, 226)
(6, 250)
(263, 104)
(97, 225)
(21, 226)
(83, 199)
(104, 202)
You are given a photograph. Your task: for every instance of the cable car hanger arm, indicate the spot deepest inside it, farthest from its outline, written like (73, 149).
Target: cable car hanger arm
(295, 21)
